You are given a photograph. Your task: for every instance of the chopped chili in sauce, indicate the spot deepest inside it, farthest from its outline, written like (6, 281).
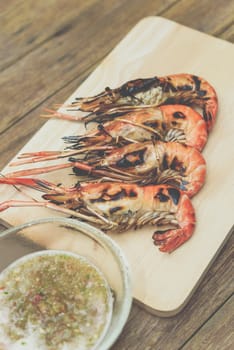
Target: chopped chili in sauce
(59, 300)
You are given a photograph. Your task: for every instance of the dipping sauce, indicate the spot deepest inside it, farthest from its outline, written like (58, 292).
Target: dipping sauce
(53, 300)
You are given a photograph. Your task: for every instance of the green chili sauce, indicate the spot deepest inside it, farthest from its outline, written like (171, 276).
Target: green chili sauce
(60, 296)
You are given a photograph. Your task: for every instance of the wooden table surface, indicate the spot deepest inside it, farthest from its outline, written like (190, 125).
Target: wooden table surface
(47, 49)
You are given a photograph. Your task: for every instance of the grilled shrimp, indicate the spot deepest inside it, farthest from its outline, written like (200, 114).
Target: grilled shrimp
(166, 123)
(117, 207)
(147, 163)
(179, 88)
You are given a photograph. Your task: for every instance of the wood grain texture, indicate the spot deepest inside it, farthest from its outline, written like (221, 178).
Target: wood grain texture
(228, 33)
(143, 331)
(67, 55)
(215, 334)
(211, 17)
(25, 127)
(23, 25)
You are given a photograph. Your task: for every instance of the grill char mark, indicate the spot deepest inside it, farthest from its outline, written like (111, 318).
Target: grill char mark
(177, 165)
(185, 88)
(132, 159)
(138, 85)
(106, 197)
(115, 209)
(197, 82)
(152, 124)
(179, 115)
(165, 162)
(174, 194)
(161, 196)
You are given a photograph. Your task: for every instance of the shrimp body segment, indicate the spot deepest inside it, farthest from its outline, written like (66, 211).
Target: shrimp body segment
(117, 207)
(179, 88)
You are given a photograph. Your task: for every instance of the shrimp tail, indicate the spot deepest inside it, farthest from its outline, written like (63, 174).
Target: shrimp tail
(172, 239)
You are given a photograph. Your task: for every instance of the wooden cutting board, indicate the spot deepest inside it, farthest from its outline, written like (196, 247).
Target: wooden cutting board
(162, 282)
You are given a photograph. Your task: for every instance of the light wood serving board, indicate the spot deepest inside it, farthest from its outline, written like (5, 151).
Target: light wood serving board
(162, 282)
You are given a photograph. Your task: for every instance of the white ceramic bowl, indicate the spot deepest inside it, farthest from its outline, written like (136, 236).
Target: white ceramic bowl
(77, 237)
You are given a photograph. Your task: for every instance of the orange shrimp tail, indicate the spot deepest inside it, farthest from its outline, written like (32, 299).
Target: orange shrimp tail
(172, 239)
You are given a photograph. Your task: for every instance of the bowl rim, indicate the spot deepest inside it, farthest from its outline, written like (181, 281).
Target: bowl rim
(116, 251)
